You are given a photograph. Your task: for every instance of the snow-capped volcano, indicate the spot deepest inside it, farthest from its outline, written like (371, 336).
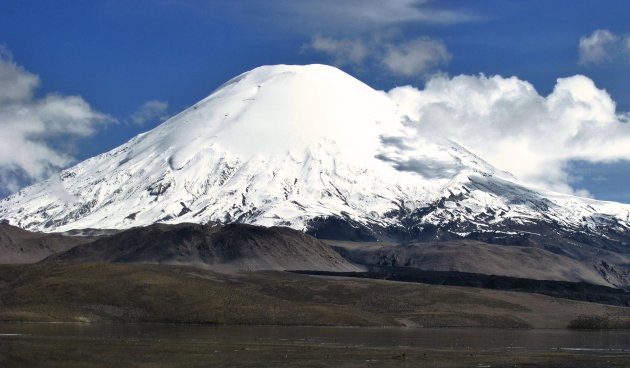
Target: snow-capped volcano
(312, 148)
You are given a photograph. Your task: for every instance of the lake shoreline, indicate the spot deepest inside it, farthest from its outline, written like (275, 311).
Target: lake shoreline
(161, 345)
(385, 327)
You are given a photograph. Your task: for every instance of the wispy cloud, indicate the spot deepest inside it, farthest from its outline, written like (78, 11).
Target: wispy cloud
(370, 14)
(415, 57)
(418, 57)
(150, 110)
(603, 46)
(339, 18)
(507, 122)
(341, 51)
(36, 134)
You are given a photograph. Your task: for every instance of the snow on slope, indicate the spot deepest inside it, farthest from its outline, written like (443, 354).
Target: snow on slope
(284, 145)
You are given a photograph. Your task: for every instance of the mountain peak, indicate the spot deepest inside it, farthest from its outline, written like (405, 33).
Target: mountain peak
(309, 147)
(272, 110)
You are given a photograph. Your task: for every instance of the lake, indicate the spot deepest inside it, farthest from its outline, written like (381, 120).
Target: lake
(88, 345)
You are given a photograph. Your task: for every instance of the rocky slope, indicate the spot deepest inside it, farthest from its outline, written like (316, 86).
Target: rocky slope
(472, 256)
(234, 247)
(22, 246)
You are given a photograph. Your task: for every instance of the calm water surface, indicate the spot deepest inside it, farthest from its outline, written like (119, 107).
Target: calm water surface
(79, 345)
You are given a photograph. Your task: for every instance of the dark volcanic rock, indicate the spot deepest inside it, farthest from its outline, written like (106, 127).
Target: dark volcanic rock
(560, 289)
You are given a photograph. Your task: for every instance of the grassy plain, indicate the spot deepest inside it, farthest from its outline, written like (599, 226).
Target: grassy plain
(105, 293)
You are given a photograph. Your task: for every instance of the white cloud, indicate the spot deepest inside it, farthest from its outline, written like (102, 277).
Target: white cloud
(342, 51)
(603, 46)
(150, 110)
(415, 57)
(36, 133)
(508, 123)
(17, 83)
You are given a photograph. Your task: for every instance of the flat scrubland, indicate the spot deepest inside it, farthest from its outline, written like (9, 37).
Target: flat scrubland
(105, 293)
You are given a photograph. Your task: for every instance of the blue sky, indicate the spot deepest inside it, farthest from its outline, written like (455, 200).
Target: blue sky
(135, 62)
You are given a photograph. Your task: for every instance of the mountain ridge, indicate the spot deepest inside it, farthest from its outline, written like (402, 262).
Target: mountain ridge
(229, 248)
